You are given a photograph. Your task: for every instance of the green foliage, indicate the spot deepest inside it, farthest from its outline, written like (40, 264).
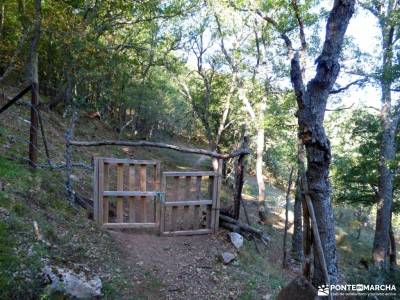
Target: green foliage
(356, 157)
(281, 136)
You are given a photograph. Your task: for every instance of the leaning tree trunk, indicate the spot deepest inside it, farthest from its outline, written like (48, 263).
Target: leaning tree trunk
(312, 100)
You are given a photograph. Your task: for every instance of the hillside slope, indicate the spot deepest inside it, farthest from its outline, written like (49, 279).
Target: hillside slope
(131, 266)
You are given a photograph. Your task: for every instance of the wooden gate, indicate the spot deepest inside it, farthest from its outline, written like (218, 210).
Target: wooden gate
(126, 193)
(190, 203)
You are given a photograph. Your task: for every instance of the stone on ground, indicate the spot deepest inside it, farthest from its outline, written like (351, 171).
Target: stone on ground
(78, 285)
(236, 239)
(227, 257)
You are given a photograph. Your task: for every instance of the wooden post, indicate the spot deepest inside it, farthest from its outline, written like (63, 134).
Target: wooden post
(96, 216)
(33, 131)
(307, 240)
(68, 158)
(218, 196)
(239, 180)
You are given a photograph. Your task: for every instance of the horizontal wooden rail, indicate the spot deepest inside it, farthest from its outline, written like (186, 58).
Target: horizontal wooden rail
(190, 174)
(188, 203)
(130, 225)
(187, 232)
(129, 194)
(160, 145)
(128, 161)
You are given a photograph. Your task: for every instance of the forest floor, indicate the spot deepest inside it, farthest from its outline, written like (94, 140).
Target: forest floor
(131, 265)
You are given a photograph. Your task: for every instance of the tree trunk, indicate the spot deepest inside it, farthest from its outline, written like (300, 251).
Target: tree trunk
(312, 101)
(239, 180)
(284, 259)
(389, 124)
(385, 189)
(297, 237)
(392, 252)
(259, 175)
(2, 18)
(34, 80)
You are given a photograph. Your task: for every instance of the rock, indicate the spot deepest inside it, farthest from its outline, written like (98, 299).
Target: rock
(227, 257)
(78, 285)
(299, 288)
(236, 239)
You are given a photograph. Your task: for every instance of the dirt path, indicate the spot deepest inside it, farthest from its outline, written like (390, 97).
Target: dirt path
(186, 267)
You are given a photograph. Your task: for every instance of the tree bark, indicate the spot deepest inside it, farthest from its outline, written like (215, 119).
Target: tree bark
(312, 101)
(389, 123)
(392, 252)
(284, 259)
(385, 188)
(239, 180)
(297, 237)
(34, 79)
(297, 240)
(259, 161)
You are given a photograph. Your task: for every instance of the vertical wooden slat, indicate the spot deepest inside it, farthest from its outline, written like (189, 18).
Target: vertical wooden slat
(162, 208)
(96, 190)
(210, 196)
(131, 187)
(100, 191)
(174, 213)
(196, 212)
(120, 187)
(143, 200)
(105, 186)
(156, 187)
(218, 196)
(186, 213)
(214, 200)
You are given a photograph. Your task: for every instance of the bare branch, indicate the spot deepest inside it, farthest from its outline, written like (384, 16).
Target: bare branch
(357, 82)
(159, 145)
(340, 108)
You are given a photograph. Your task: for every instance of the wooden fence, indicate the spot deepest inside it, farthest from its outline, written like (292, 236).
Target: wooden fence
(126, 193)
(190, 203)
